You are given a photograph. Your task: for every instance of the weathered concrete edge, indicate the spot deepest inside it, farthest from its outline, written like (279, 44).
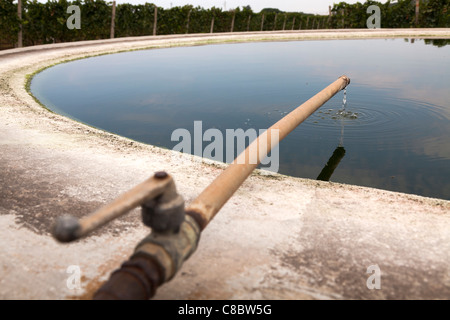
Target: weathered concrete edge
(290, 34)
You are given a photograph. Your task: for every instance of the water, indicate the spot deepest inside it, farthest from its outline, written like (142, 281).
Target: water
(343, 114)
(392, 125)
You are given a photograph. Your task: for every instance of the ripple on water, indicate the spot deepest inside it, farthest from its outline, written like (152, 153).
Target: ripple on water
(394, 123)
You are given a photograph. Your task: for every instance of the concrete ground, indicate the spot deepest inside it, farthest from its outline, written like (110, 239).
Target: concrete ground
(277, 238)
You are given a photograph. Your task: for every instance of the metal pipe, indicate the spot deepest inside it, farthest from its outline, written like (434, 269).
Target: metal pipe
(211, 200)
(137, 279)
(159, 256)
(156, 260)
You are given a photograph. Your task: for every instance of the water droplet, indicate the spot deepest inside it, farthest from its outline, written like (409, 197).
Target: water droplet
(344, 99)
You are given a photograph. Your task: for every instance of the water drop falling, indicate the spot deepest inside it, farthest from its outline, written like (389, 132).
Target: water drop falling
(342, 113)
(344, 99)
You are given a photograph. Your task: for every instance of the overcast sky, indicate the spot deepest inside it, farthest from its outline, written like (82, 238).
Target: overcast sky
(307, 6)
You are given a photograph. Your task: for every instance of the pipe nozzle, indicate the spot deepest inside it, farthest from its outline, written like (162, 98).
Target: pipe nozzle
(347, 81)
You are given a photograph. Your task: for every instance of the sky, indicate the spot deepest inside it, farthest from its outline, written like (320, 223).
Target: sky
(306, 6)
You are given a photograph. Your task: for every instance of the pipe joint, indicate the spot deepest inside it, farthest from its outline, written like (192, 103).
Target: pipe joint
(170, 250)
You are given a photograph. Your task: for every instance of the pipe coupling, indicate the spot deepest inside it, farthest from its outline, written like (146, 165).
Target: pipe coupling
(170, 250)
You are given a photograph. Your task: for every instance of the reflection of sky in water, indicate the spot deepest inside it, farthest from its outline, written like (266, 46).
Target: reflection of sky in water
(400, 90)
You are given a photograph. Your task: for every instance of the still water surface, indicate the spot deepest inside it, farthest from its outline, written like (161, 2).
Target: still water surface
(396, 135)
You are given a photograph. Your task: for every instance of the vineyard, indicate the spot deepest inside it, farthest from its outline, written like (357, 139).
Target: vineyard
(43, 23)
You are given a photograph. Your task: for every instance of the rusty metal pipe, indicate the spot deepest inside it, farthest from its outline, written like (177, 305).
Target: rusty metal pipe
(211, 200)
(137, 279)
(158, 257)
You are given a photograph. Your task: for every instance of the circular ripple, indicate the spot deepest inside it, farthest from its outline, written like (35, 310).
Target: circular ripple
(389, 122)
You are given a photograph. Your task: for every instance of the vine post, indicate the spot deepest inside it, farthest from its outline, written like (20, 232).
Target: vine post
(329, 15)
(19, 15)
(113, 19)
(232, 21)
(188, 18)
(417, 12)
(155, 21)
